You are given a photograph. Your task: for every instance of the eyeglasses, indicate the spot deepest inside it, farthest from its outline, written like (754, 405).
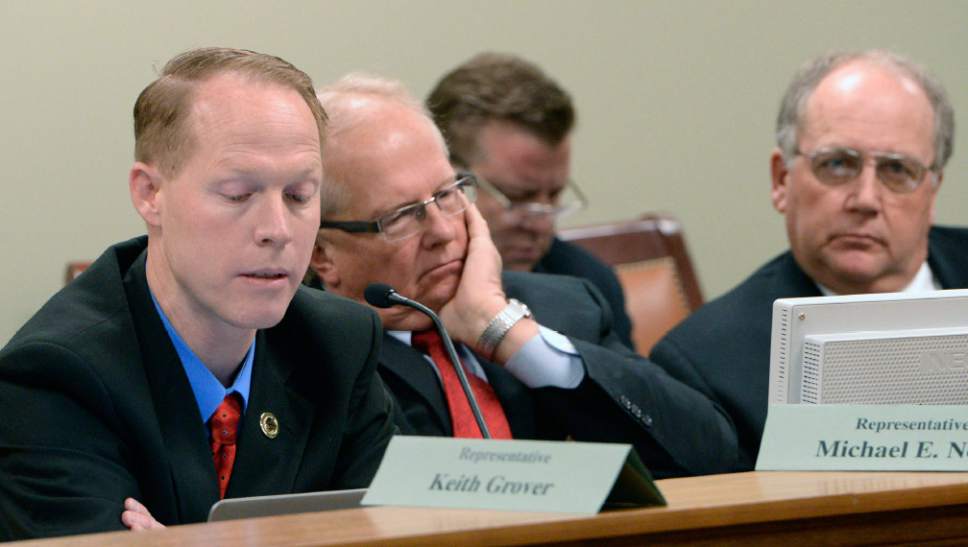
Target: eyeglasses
(407, 221)
(571, 200)
(836, 166)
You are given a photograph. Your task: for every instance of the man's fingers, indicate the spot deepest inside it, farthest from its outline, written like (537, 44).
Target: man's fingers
(131, 504)
(137, 517)
(476, 224)
(134, 521)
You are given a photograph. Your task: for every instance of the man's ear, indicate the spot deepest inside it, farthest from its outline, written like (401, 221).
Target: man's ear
(322, 263)
(934, 192)
(144, 184)
(779, 175)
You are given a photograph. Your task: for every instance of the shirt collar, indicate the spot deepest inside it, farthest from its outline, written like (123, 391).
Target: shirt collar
(208, 391)
(923, 281)
(404, 336)
(470, 360)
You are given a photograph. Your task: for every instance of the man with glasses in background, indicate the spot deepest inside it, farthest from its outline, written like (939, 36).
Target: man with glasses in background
(862, 139)
(510, 124)
(538, 350)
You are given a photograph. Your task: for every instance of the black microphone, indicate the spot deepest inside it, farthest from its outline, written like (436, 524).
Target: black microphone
(381, 295)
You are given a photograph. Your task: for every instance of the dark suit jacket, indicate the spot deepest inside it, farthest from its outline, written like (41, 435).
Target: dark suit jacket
(565, 258)
(96, 407)
(723, 349)
(624, 397)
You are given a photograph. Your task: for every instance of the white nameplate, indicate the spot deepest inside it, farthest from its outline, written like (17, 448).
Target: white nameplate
(865, 438)
(541, 476)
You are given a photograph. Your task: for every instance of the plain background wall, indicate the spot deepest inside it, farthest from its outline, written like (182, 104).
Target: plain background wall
(676, 101)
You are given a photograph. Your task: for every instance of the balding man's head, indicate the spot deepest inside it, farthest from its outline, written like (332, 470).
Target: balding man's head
(394, 207)
(862, 139)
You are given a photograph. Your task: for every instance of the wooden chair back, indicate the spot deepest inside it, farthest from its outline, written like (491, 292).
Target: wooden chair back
(652, 264)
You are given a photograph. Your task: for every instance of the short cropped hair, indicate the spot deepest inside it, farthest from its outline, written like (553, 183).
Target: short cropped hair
(789, 121)
(161, 132)
(494, 86)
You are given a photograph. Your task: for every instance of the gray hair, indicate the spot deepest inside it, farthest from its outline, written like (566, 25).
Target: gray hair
(806, 80)
(338, 100)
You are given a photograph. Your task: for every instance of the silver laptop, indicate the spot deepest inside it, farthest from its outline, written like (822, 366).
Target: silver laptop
(285, 504)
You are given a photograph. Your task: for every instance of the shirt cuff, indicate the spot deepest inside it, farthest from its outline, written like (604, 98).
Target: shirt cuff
(547, 360)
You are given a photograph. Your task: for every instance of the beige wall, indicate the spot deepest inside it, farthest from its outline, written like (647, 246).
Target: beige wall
(676, 101)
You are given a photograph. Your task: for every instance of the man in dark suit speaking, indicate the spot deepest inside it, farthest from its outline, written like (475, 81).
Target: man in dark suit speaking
(395, 212)
(862, 139)
(190, 365)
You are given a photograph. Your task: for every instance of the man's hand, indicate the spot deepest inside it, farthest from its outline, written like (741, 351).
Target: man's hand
(480, 294)
(136, 517)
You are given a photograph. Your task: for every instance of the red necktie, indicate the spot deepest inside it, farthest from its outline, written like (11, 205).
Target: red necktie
(461, 417)
(223, 425)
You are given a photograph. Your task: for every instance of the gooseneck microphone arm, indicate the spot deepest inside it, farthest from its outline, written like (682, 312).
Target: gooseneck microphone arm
(381, 295)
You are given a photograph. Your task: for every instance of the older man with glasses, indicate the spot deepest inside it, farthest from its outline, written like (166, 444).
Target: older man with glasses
(511, 124)
(862, 141)
(538, 350)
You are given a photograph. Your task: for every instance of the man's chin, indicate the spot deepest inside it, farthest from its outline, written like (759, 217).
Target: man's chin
(522, 259)
(854, 274)
(264, 318)
(403, 318)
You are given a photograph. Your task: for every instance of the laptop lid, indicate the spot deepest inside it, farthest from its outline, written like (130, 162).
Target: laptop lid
(285, 504)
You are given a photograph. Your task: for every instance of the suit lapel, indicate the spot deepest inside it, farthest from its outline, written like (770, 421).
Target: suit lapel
(265, 465)
(515, 399)
(948, 263)
(792, 281)
(183, 431)
(409, 366)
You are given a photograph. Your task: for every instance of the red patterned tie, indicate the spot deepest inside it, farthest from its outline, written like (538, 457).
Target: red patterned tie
(223, 425)
(461, 417)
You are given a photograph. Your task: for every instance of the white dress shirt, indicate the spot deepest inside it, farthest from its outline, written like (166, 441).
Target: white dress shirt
(547, 360)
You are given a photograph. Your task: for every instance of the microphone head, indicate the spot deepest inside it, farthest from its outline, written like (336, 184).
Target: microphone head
(378, 295)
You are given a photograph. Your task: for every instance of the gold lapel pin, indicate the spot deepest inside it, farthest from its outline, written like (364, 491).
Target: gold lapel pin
(269, 425)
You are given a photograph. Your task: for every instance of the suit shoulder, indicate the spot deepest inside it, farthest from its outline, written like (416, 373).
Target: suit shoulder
(746, 300)
(524, 285)
(949, 235)
(86, 317)
(570, 259)
(320, 305)
(566, 258)
(88, 356)
(324, 322)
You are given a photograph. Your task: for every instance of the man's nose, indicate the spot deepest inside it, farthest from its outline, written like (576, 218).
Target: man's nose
(273, 221)
(865, 193)
(439, 227)
(538, 221)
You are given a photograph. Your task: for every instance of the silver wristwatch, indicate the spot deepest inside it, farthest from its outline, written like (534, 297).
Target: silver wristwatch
(498, 328)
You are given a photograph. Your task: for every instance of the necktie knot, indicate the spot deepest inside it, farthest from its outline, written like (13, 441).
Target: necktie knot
(224, 423)
(462, 418)
(427, 341)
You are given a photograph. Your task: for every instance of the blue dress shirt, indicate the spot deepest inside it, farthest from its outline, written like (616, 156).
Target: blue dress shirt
(209, 392)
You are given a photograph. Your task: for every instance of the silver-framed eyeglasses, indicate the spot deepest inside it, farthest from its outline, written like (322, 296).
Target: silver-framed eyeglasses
(569, 201)
(837, 166)
(408, 221)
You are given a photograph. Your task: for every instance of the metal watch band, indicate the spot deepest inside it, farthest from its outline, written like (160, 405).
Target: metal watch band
(498, 328)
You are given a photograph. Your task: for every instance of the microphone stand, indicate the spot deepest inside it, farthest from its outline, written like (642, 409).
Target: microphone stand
(390, 297)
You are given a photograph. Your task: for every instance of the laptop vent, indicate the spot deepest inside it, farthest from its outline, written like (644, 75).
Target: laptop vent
(893, 369)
